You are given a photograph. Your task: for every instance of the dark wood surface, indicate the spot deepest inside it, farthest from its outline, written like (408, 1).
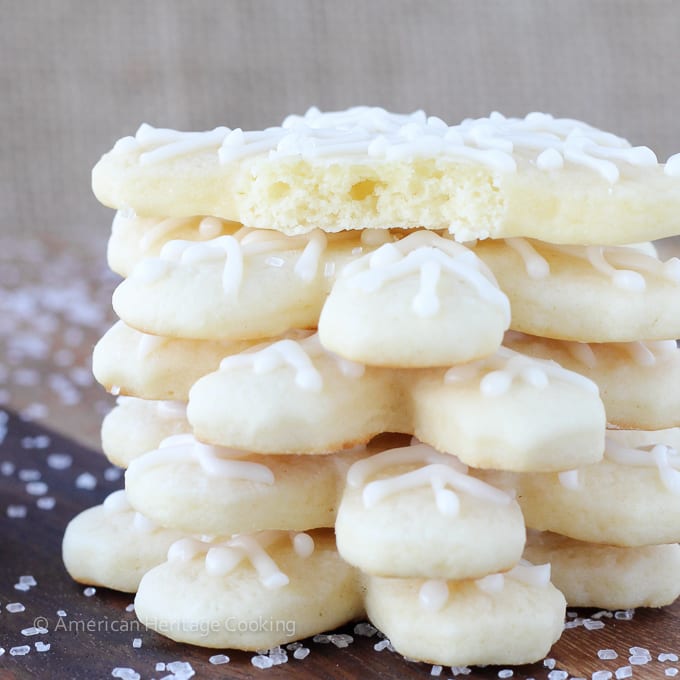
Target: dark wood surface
(103, 631)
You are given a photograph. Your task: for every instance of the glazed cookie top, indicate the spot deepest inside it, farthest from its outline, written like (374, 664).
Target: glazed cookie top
(552, 178)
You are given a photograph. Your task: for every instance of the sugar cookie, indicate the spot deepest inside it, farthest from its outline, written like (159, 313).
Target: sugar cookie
(637, 380)
(605, 576)
(590, 294)
(631, 498)
(293, 397)
(155, 367)
(113, 546)
(253, 591)
(510, 618)
(554, 179)
(204, 489)
(136, 426)
(414, 512)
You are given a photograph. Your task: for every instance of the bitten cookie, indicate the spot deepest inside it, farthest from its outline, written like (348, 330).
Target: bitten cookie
(605, 576)
(414, 512)
(510, 618)
(253, 591)
(553, 179)
(112, 545)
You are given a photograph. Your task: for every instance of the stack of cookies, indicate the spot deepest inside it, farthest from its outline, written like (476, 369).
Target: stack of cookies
(294, 295)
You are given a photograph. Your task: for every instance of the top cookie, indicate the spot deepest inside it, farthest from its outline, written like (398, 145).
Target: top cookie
(558, 180)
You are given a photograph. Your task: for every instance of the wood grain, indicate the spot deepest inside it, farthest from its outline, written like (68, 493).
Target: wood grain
(104, 630)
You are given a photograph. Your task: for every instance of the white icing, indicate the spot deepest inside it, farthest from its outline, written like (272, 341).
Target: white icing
(427, 254)
(505, 366)
(672, 167)
(535, 576)
(444, 473)
(665, 458)
(171, 409)
(151, 269)
(298, 355)
(569, 479)
(433, 595)
(117, 503)
(223, 557)
(161, 230)
(624, 266)
(496, 142)
(148, 344)
(582, 352)
(215, 461)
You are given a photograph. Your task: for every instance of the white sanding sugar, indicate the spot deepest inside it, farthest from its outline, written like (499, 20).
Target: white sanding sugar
(321, 639)
(2, 651)
(36, 488)
(131, 608)
(125, 674)
(42, 646)
(639, 651)
(28, 580)
(383, 644)
(623, 672)
(89, 591)
(46, 502)
(505, 673)
(33, 630)
(558, 675)
(549, 663)
(112, 474)
(606, 654)
(160, 666)
(292, 646)
(86, 480)
(180, 670)
(671, 672)
(624, 614)
(218, 659)
(29, 475)
(436, 671)
(278, 656)
(261, 661)
(22, 586)
(59, 461)
(19, 651)
(61, 612)
(589, 624)
(365, 629)
(667, 657)
(16, 511)
(341, 640)
(137, 643)
(301, 653)
(7, 468)
(601, 675)
(638, 659)
(602, 614)
(460, 670)
(15, 607)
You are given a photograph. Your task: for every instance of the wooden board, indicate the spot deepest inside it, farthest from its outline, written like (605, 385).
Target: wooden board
(97, 633)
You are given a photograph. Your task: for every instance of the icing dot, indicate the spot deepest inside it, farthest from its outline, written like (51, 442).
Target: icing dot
(672, 167)
(433, 595)
(550, 159)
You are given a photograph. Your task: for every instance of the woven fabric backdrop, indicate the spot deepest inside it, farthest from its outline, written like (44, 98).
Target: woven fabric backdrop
(77, 74)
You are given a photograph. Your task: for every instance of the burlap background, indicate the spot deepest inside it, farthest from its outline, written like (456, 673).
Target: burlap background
(77, 74)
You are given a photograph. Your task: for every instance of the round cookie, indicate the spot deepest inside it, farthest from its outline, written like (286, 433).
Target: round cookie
(605, 576)
(135, 426)
(414, 512)
(421, 301)
(133, 238)
(586, 294)
(293, 397)
(204, 489)
(155, 367)
(113, 546)
(557, 180)
(631, 498)
(250, 592)
(511, 618)
(637, 380)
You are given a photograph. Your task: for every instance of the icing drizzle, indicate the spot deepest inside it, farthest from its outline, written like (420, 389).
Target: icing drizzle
(364, 131)
(665, 458)
(117, 503)
(297, 354)
(215, 461)
(222, 557)
(535, 576)
(427, 254)
(505, 366)
(443, 472)
(624, 266)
